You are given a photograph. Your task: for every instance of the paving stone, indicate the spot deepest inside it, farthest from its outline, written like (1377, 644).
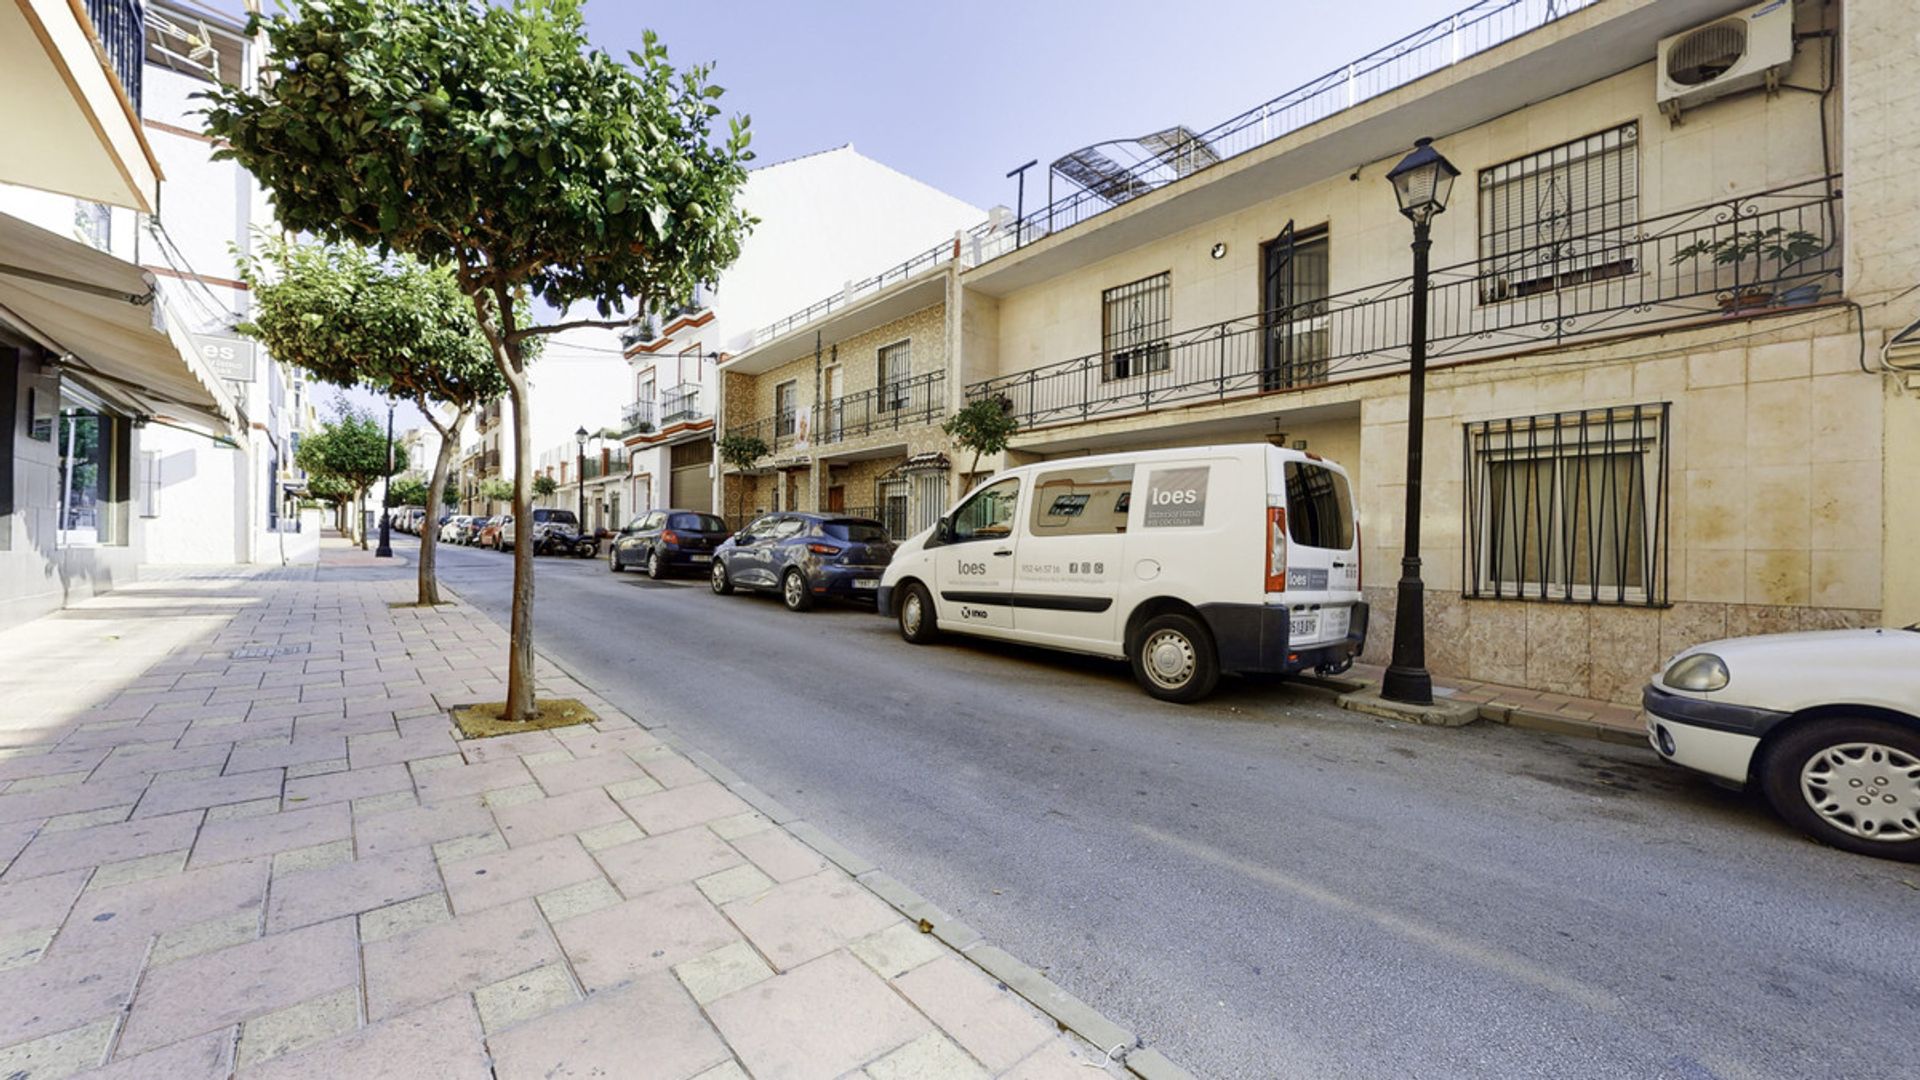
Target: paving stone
(463, 848)
(1057, 1059)
(403, 917)
(531, 822)
(286, 754)
(298, 1026)
(739, 825)
(201, 1058)
(61, 1054)
(25, 947)
(795, 922)
(316, 857)
(543, 757)
(442, 1041)
(726, 1070)
(575, 900)
(651, 1021)
(347, 786)
(739, 883)
(14, 836)
(373, 749)
(501, 798)
(523, 997)
(601, 837)
(589, 741)
(71, 798)
(672, 770)
(633, 789)
(677, 808)
(236, 811)
(429, 764)
(932, 1056)
(372, 805)
(417, 968)
(167, 795)
(316, 768)
(818, 1021)
(53, 853)
(126, 916)
(160, 757)
(988, 1020)
(780, 855)
(236, 984)
(204, 937)
(673, 859)
(66, 992)
(92, 735)
(350, 888)
(898, 949)
(227, 731)
(722, 971)
(179, 777)
(48, 760)
(250, 837)
(638, 937)
(442, 784)
(37, 903)
(138, 869)
(507, 747)
(47, 782)
(423, 826)
(561, 777)
(501, 877)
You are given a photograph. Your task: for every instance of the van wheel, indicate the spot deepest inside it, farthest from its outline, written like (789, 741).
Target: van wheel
(794, 592)
(1173, 659)
(917, 622)
(1851, 783)
(718, 579)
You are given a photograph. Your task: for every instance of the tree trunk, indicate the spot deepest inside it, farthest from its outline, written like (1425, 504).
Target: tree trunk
(429, 590)
(520, 704)
(360, 518)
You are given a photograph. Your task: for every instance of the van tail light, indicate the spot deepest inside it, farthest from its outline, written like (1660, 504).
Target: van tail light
(1276, 549)
(670, 536)
(823, 549)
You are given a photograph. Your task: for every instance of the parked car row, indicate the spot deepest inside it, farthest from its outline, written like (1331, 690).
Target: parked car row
(555, 532)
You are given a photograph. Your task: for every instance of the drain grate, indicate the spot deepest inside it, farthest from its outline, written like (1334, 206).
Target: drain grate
(269, 652)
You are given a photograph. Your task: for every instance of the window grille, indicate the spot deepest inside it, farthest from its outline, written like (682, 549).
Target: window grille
(893, 507)
(785, 401)
(896, 366)
(1569, 506)
(929, 500)
(1560, 217)
(1134, 324)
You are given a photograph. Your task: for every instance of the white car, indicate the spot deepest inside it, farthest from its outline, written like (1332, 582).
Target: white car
(1827, 723)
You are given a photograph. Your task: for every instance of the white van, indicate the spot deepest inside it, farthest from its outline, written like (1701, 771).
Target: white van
(1188, 563)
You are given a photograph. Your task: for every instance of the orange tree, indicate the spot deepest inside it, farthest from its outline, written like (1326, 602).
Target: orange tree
(494, 139)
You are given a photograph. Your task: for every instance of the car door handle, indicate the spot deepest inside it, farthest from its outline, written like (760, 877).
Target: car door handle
(1004, 551)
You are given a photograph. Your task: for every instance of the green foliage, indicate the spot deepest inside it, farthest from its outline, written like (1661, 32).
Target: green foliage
(326, 487)
(494, 138)
(409, 491)
(1776, 244)
(397, 325)
(495, 489)
(741, 450)
(351, 448)
(543, 485)
(450, 496)
(984, 426)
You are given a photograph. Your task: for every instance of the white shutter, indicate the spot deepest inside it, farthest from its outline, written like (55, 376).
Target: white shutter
(1560, 210)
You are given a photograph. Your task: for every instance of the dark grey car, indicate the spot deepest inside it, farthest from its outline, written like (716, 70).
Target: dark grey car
(805, 556)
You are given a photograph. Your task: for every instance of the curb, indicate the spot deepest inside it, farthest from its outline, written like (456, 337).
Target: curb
(1517, 716)
(1069, 1013)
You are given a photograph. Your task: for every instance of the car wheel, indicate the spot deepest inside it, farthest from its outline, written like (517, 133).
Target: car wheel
(613, 559)
(1852, 783)
(794, 592)
(1173, 659)
(654, 569)
(718, 579)
(917, 621)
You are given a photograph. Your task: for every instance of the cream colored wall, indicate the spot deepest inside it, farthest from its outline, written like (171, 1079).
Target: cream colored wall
(858, 357)
(1738, 145)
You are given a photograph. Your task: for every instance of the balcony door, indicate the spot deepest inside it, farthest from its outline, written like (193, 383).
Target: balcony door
(835, 389)
(1293, 309)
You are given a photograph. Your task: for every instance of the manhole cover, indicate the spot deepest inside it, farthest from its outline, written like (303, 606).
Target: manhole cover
(269, 652)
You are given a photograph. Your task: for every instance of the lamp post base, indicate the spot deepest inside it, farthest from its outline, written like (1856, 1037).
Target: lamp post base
(385, 550)
(1407, 680)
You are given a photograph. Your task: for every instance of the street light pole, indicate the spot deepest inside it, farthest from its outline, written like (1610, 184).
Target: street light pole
(1421, 183)
(385, 550)
(580, 475)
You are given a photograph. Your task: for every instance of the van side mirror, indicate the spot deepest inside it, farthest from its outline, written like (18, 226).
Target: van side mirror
(942, 531)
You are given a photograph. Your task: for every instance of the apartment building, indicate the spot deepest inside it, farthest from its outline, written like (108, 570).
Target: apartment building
(828, 217)
(1673, 289)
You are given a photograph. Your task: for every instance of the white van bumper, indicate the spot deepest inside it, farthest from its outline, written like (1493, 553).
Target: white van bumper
(1252, 638)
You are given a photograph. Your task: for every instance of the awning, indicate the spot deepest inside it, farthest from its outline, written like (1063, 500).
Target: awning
(106, 318)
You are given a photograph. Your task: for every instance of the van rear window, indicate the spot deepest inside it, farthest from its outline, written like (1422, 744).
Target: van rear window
(1319, 507)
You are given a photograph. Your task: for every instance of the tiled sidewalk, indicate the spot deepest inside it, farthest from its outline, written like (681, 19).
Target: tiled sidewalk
(287, 866)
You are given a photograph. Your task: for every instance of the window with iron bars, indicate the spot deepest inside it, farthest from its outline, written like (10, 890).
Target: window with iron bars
(896, 366)
(1560, 217)
(1134, 324)
(1569, 506)
(785, 407)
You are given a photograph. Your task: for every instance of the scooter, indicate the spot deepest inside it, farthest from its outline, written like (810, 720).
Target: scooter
(563, 540)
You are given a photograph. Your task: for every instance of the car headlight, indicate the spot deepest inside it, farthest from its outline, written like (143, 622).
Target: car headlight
(1700, 671)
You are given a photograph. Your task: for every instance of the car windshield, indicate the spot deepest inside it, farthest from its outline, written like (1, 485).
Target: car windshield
(554, 517)
(696, 523)
(856, 532)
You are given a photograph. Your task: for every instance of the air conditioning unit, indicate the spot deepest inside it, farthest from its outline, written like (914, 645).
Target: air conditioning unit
(1749, 48)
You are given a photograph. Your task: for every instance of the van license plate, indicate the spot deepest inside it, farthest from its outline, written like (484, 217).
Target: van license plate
(1334, 623)
(866, 583)
(1303, 626)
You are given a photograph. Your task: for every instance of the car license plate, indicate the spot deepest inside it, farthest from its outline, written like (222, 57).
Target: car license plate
(1333, 623)
(1303, 626)
(866, 583)
(702, 558)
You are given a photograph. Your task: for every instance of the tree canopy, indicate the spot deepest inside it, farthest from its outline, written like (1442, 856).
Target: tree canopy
(984, 426)
(351, 447)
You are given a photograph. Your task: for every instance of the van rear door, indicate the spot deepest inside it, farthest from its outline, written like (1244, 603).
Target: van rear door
(1320, 550)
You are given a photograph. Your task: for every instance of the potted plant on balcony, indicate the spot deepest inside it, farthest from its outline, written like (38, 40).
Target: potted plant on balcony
(1777, 245)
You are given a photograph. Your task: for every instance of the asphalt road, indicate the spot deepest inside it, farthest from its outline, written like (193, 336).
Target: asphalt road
(1265, 885)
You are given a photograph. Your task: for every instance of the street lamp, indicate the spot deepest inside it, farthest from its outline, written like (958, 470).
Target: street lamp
(580, 476)
(385, 550)
(1421, 182)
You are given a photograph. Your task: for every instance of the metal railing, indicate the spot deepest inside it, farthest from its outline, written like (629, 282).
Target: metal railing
(935, 256)
(1740, 256)
(680, 402)
(594, 468)
(121, 26)
(918, 399)
(638, 418)
(1473, 29)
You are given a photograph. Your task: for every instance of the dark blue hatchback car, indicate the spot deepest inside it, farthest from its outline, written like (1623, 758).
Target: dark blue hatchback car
(662, 541)
(804, 556)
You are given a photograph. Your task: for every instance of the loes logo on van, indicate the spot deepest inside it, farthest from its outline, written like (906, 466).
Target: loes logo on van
(972, 568)
(1176, 498)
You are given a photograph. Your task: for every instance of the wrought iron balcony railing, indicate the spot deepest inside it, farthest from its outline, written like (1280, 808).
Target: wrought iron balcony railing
(680, 403)
(1740, 256)
(918, 399)
(638, 418)
(121, 26)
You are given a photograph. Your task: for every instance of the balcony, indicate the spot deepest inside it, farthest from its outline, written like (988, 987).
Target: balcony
(121, 28)
(608, 463)
(638, 419)
(936, 256)
(919, 399)
(71, 96)
(680, 404)
(1748, 255)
